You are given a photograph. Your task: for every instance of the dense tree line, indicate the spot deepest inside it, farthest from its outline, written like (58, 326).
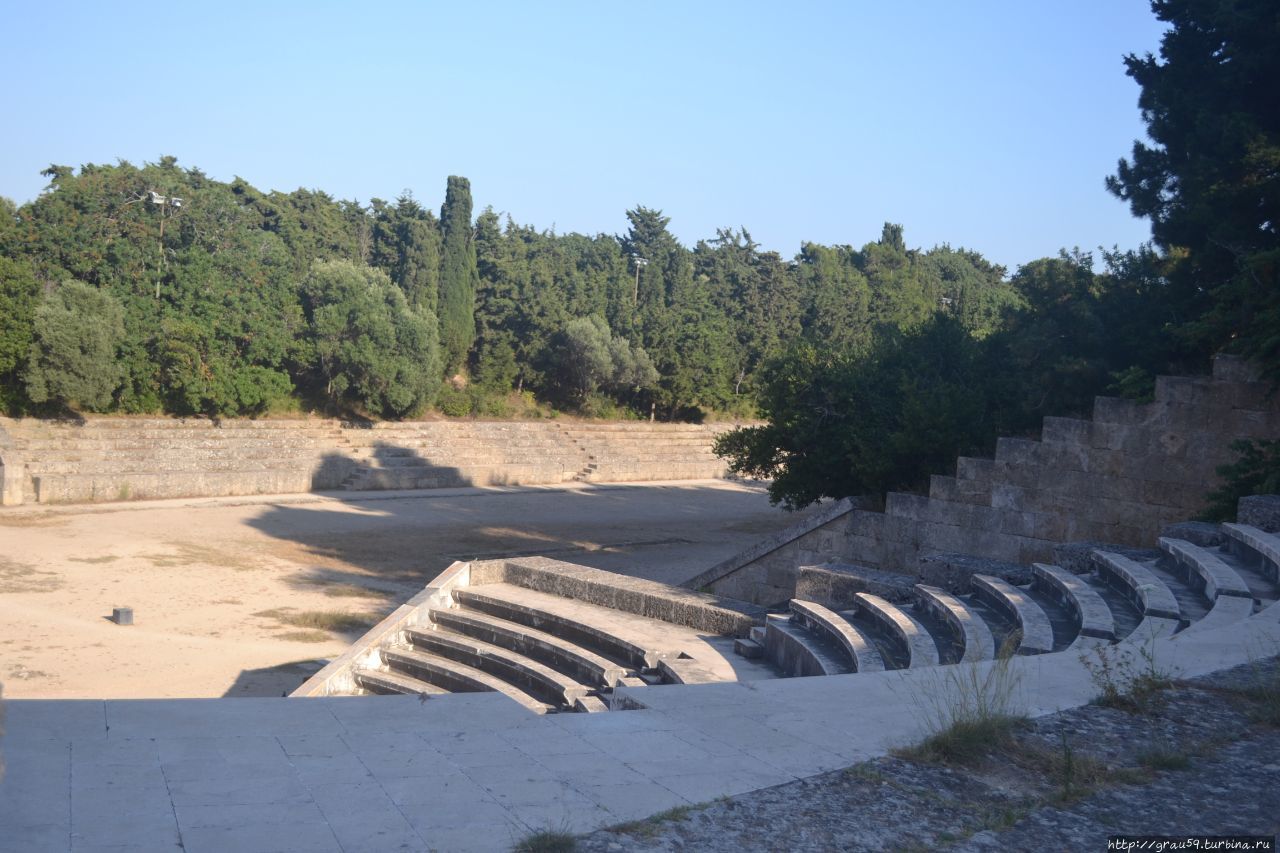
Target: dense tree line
(159, 289)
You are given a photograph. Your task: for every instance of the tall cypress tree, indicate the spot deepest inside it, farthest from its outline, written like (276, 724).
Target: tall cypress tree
(458, 276)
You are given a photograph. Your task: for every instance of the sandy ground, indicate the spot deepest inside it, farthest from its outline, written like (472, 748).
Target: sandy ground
(245, 597)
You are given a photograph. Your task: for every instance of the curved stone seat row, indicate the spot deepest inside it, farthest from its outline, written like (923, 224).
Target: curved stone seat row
(519, 630)
(818, 640)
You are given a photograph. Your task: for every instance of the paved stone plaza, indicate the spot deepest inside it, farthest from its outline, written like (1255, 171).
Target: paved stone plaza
(472, 772)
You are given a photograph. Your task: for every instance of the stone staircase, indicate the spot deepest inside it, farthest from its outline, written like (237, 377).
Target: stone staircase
(556, 637)
(551, 636)
(624, 452)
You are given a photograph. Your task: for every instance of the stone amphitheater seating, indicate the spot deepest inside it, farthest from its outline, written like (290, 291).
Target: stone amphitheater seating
(1020, 587)
(108, 459)
(556, 637)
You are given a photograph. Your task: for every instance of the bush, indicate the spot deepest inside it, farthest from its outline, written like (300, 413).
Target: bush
(454, 402)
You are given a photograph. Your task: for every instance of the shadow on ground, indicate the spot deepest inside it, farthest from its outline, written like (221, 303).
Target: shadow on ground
(278, 680)
(395, 545)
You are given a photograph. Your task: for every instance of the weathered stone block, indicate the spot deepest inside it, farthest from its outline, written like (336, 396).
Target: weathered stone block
(1260, 511)
(1202, 533)
(835, 585)
(953, 571)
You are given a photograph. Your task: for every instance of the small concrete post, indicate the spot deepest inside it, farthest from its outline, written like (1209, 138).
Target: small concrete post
(122, 615)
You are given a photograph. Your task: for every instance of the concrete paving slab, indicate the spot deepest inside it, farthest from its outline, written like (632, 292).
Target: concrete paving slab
(415, 762)
(453, 790)
(483, 818)
(548, 808)
(105, 829)
(262, 838)
(587, 772)
(317, 769)
(227, 789)
(641, 745)
(58, 719)
(197, 718)
(549, 740)
(634, 800)
(135, 846)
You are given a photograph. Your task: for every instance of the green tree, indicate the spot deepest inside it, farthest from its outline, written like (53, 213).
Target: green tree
(459, 279)
(1210, 180)
(78, 329)
(848, 423)
(19, 296)
(371, 349)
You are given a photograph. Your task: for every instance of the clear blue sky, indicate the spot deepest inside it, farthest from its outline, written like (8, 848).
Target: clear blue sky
(989, 125)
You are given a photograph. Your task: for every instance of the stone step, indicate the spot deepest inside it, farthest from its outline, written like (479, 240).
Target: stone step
(1214, 576)
(1092, 615)
(519, 670)
(799, 652)
(378, 681)
(581, 663)
(1032, 622)
(1149, 593)
(914, 638)
(455, 677)
(969, 630)
(858, 647)
(534, 611)
(1255, 547)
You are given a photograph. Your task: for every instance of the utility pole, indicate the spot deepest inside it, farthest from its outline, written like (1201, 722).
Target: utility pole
(635, 291)
(169, 205)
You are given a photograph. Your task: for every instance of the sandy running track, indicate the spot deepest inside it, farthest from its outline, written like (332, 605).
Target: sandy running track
(245, 596)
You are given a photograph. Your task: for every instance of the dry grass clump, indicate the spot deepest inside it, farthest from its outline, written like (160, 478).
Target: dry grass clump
(305, 636)
(970, 713)
(350, 590)
(320, 620)
(547, 841)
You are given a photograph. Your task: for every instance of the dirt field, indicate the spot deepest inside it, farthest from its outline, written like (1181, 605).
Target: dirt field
(247, 597)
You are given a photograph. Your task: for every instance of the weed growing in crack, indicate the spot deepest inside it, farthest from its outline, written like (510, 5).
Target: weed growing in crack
(1127, 678)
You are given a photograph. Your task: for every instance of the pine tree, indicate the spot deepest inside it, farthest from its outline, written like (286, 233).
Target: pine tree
(458, 276)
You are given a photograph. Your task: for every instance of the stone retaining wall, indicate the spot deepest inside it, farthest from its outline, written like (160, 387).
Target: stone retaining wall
(111, 459)
(1118, 478)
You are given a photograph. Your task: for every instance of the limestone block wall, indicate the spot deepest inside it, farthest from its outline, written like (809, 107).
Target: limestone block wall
(1118, 478)
(110, 459)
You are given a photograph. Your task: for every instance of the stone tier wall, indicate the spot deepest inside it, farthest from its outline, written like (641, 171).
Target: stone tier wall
(1118, 478)
(111, 459)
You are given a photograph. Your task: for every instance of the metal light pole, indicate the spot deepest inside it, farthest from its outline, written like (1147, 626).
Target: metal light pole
(635, 291)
